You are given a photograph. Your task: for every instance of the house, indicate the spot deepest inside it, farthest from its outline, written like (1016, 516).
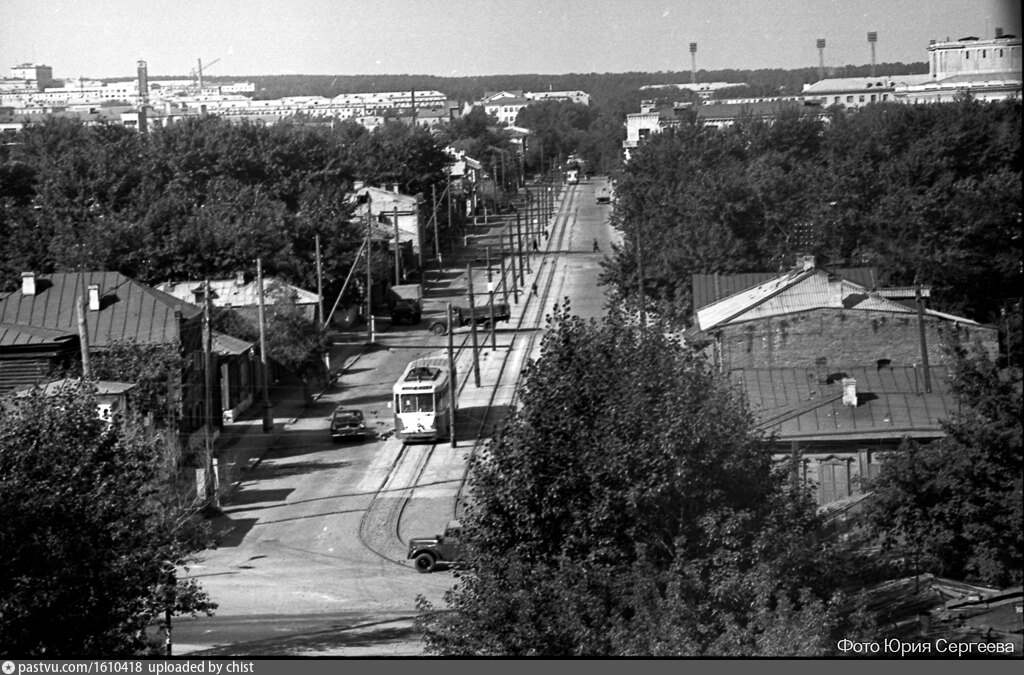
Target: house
(808, 317)
(652, 119)
(837, 373)
(28, 355)
(241, 294)
(505, 109)
(115, 309)
(390, 207)
(838, 423)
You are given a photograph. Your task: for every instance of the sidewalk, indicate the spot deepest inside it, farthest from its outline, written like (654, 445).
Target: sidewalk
(242, 444)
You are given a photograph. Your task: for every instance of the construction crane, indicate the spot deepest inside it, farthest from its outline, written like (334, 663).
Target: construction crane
(198, 73)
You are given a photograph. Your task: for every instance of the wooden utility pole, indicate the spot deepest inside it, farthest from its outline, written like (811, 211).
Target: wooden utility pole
(320, 302)
(268, 418)
(924, 341)
(208, 365)
(83, 338)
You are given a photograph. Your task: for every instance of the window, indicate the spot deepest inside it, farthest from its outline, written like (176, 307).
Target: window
(860, 98)
(849, 99)
(416, 403)
(873, 96)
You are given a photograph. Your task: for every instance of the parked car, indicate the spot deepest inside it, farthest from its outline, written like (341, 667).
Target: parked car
(443, 549)
(346, 423)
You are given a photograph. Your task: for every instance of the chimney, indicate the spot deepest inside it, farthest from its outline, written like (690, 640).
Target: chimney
(835, 292)
(849, 392)
(394, 188)
(28, 283)
(999, 31)
(240, 279)
(94, 297)
(806, 262)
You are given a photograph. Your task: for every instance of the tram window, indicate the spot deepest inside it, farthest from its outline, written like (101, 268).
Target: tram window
(417, 403)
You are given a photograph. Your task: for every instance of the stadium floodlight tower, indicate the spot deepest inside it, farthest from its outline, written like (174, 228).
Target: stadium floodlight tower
(693, 63)
(821, 58)
(872, 39)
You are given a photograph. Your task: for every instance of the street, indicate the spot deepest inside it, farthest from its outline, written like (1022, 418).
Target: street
(311, 558)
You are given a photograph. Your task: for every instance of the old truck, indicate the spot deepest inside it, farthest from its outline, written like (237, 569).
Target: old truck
(443, 549)
(604, 195)
(480, 315)
(405, 303)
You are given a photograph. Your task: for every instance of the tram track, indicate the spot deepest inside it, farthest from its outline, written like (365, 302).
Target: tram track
(375, 524)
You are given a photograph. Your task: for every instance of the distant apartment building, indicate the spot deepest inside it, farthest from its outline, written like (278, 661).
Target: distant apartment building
(506, 108)
(652, 119)
(987, 69)
(581, 97)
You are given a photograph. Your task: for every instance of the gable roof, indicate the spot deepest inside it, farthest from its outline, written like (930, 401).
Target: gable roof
(805, 404)
(801, 290)
(709, 288)
(129, 310)
(14, 335)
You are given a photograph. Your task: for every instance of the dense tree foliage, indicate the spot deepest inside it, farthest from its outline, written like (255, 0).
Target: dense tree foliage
(91, 532)
(203, 198)
(957, 505)
(629, 508)
(928, 194)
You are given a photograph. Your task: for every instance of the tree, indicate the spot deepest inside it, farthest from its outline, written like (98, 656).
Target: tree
(958, 503)
(91, 531)
(629, 507)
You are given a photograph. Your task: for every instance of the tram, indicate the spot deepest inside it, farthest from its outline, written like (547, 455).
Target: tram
(422, 400)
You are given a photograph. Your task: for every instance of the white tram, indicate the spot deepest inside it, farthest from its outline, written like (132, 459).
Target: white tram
(422, 400)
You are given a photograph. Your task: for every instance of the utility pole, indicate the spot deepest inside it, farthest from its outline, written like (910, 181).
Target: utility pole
(640, 273)
(369, 274)
(268, 418)
(519, 236)
(398, 277)
(211, 462)
(512, 263)
(320, 302)
(437, 240)
(454, 381)
(472, 326)
(924, 342)
(490, 301)
(83, 338)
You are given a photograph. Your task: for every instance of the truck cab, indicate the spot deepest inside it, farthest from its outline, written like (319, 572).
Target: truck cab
(443, 549)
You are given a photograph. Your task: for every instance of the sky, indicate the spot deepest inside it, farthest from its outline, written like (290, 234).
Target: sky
(106, 38)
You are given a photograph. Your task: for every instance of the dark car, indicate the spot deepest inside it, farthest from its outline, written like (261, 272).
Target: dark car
(443, 549)
(346, 423)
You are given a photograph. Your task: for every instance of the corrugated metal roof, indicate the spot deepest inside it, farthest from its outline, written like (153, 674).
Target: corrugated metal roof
(128, 310)
(800, 291)
(226, 345)
(13, 335)
(724, 310)
(228, 292)
(801, 403)
(708, 288)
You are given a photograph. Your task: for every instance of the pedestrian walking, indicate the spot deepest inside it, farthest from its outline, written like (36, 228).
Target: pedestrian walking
(533, 288)
(535, 247)
(596, 247)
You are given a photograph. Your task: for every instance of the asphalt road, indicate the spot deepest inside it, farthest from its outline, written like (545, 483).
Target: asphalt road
(311, 561)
